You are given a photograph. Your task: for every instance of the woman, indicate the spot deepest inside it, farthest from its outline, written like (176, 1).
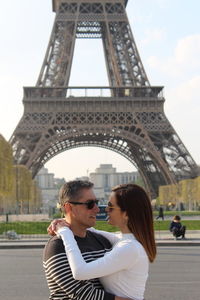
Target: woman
(124, 270)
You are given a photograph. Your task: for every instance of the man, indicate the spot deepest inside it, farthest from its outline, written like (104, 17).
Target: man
(176, 228)
(78, 203)
(160, 213)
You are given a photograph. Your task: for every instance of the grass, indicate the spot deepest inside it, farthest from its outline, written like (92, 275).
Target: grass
(158, 225)
(190, 224)
(25, 227)
(41, 227)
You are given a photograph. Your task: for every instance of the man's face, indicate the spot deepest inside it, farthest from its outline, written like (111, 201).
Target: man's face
(80, 214)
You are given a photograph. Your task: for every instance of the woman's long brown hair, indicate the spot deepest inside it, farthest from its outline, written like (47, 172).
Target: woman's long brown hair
(134, 200)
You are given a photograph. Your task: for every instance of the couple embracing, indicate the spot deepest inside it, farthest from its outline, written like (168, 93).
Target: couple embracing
(86, 264)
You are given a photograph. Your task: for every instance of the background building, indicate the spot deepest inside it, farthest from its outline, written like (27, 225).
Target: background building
(106, 176)
(49, 186)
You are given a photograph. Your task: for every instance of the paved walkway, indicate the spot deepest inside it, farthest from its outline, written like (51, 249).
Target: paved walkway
(165, 234)
(163, 238)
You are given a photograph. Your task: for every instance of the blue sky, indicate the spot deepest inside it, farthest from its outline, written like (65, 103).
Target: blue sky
(167, 34)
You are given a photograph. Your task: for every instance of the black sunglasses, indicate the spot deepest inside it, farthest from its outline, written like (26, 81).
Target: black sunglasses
(90, 203)
(110, 207)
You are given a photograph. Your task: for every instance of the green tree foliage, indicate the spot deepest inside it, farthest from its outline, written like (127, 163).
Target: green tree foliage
(6, 162)
(6, 174)
(18, 191)
(186, 192)
(26, 193)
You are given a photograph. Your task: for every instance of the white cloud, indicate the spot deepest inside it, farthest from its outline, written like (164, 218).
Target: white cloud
(162, 3)
(184, 60)
(181, 76)
(154, 62)
(183, 111)
(152, 35)
(186, 95)
(187, 51)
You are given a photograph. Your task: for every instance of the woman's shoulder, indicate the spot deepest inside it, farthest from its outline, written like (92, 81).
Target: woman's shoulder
(131, 245)
(127, 242)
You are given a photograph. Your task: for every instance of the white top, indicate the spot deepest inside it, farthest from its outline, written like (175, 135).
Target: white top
(123, 271)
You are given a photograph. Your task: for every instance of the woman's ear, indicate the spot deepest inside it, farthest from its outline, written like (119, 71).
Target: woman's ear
(125, 217)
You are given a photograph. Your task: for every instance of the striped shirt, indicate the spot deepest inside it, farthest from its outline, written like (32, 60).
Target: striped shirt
(59, 277)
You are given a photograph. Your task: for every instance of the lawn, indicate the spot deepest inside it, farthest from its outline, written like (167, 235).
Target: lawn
(25, 227)
(41, 227)
(158, 225)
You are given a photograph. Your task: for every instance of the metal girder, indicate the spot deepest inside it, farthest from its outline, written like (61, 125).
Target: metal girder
(92, 19)
(131, 123)
(126, 117)
(56, 3)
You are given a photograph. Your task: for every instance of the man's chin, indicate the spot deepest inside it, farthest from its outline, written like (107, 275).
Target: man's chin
(93, 222)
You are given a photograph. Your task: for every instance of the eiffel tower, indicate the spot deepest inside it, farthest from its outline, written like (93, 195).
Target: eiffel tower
(126, 117)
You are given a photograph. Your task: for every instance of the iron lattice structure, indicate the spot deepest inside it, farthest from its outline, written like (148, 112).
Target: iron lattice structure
(126, 117)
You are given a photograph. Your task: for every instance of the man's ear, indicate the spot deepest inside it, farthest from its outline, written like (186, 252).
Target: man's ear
(67, 208)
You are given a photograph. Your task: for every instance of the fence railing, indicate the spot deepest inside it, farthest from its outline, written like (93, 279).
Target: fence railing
(44, 93)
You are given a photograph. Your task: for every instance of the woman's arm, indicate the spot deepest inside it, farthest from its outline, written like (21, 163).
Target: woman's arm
(116, 260)
(112, 237)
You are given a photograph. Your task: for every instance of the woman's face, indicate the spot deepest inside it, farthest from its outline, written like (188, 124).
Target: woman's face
(116, 217)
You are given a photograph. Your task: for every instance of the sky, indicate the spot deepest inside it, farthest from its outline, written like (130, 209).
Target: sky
(167, 34)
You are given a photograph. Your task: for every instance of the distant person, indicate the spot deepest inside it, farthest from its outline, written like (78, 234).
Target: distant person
(124, 270)
(160, 213)
(176, 228)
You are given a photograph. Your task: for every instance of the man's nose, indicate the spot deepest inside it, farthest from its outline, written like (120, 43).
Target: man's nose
(96, 208)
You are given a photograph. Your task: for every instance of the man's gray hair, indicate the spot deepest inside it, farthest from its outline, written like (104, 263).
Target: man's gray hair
(71, 191)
